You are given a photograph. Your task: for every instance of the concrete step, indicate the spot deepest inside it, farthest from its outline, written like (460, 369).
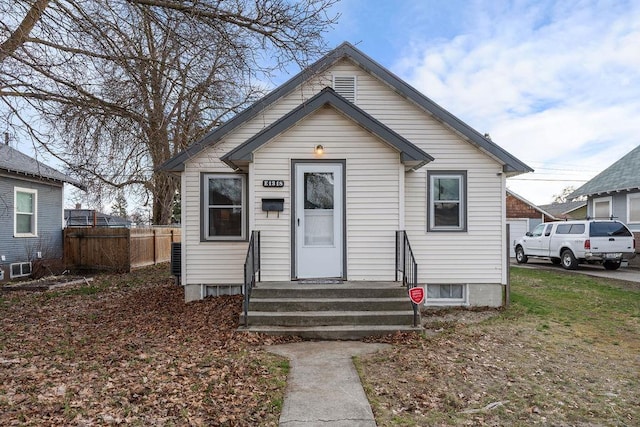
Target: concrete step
(328, 291)
(339, 332)
(349, 310)
(330, 304)
(328, 318)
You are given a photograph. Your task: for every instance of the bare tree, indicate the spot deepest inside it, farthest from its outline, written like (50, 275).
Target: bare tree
(121, 86)
(562, 197)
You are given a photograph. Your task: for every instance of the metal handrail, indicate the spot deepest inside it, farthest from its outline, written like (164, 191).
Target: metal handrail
(251, 267)
(407, 266)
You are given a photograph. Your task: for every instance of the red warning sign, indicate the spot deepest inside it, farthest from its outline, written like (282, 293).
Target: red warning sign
(416, 294)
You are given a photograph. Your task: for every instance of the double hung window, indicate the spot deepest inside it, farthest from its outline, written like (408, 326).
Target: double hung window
(224, 207)
(447, 201)
(633, 208)
(25, 212)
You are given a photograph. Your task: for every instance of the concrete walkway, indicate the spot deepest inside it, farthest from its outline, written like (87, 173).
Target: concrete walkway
(323, 387)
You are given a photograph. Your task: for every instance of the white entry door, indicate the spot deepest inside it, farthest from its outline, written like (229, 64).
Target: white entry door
(319, 220)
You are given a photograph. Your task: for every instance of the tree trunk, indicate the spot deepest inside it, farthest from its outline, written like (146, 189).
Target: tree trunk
(19, 36)
(165, 186)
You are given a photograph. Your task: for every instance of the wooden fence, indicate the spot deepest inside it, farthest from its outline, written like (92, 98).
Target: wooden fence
(118, 249)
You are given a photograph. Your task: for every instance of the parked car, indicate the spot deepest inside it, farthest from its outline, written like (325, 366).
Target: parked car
(573, 242)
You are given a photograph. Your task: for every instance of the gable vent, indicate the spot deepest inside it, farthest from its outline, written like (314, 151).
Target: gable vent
(345, 86)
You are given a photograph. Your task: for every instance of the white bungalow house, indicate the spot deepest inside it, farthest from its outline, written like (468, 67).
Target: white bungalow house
(328, 168)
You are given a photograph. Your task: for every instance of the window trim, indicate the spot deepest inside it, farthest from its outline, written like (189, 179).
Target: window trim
(447, 301)
(34, 221)
(204, 211)
(631, 196)
(22, 273)
(609, 200)
(463, 217)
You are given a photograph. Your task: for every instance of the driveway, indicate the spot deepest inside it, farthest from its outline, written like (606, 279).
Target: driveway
(629, 274)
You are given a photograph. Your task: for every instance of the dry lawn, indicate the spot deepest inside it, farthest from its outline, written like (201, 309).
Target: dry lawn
(566, 353)
(126, 349)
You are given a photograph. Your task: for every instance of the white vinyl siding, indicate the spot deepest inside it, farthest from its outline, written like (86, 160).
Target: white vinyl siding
(475, 256)
(372, 179)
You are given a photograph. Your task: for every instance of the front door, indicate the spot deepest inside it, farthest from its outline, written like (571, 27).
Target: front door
(318, 222)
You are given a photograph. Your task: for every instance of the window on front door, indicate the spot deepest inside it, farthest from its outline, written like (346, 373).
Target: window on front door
(224, 202)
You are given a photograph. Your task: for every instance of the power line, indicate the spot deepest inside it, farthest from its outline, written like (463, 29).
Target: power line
(549, 180)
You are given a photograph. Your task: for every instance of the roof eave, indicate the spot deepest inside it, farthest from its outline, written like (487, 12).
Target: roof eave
(328, 97)
(346, 50)
(46, 178)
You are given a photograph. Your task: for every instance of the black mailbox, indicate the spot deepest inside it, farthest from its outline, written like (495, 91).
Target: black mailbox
(273, 205)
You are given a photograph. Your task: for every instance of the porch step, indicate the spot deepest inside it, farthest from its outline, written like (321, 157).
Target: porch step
(351, 310)
(343, 332)
(327, 291)
(330, 318)
(321, 304)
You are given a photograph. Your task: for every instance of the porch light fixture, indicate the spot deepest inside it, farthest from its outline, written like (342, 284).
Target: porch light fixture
(319, 150)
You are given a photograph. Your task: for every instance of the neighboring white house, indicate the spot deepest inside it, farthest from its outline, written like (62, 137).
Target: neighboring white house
(328, 167)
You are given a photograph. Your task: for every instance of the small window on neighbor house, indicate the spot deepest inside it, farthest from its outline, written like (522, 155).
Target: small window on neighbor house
(25, 212)
(345, 86)
(602, 208)
(633, 208)
(20, 269)
(447, 201)
(224, 207)
(443, 294)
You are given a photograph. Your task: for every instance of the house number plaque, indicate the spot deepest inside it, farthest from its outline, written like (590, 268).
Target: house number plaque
(272, 183)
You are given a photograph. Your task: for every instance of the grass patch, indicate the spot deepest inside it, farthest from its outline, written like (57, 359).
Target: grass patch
(591, 306)
(564, 353)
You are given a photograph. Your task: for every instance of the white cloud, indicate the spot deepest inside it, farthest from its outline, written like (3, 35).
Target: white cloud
(557, 84)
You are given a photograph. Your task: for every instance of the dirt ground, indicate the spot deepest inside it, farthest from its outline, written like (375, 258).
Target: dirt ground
(126, 349)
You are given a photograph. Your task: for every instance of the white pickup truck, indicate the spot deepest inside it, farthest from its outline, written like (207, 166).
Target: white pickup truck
(572, 242)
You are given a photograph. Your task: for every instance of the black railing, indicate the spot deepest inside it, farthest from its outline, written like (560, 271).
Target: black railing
(251, 268)
(407, 267)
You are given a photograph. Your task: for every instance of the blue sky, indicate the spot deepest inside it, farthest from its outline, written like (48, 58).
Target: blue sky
(556, 83)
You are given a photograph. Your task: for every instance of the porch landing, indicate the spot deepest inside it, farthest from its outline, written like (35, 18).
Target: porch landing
(334, 311)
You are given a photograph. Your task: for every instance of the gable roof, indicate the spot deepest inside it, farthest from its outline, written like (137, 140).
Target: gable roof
(560, 210)
(621, 176)
(532, 205)
(410, 155)
(511, 165)
(15, 162)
